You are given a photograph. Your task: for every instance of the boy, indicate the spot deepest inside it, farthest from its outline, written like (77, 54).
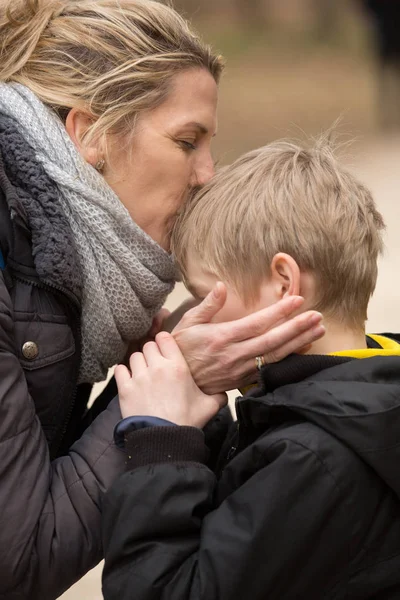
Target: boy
(304, 502)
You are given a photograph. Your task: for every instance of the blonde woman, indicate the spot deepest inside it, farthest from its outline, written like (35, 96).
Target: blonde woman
(107, 112)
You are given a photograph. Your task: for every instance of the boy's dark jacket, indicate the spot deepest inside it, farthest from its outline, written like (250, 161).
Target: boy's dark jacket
(304, 505)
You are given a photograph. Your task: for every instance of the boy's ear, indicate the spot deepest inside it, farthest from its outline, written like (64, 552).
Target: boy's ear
(285, 274)
(77, 125)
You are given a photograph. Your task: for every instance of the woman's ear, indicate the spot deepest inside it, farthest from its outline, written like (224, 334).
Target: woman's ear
(285, 275)
(77, 125)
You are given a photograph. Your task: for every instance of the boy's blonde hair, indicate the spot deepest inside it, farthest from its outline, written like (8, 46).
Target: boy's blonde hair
(111, 58)
(286, 198)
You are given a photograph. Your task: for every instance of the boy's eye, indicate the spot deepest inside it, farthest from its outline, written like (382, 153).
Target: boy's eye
(199, 296)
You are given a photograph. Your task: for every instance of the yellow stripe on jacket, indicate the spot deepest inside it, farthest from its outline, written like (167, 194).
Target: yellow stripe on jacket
(388, 347)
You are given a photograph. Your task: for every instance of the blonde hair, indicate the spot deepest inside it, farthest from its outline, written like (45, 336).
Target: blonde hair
(111, 58)
(286, 198)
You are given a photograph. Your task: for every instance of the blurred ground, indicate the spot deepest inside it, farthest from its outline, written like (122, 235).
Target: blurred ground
(281, 83)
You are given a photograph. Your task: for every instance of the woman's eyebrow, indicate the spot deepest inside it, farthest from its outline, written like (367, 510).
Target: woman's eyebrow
(202, 128)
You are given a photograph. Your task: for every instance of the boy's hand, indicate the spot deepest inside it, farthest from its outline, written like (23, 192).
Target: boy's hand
(161, 386)
(156, 327)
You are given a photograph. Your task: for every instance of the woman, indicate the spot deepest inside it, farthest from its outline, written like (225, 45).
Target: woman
(107, 111)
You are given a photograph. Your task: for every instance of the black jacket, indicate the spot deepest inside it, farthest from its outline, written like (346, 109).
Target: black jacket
(304, 504)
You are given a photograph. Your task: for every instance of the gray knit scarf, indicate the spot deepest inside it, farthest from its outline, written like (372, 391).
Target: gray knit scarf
(126, 275)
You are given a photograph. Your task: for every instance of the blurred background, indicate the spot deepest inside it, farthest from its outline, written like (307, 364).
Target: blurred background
(293, 68)
(297, 65)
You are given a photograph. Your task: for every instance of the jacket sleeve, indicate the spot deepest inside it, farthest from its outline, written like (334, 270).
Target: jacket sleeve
(282, 534)
(49, 512)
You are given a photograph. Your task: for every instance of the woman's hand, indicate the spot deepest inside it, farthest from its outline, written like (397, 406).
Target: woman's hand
(171, 320)
(221, 356)
(161, 386)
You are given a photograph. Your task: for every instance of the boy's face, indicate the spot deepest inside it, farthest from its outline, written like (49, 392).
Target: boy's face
(201, 282)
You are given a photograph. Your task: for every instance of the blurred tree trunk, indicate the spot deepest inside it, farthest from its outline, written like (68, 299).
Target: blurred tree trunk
(252, 13)
(327, 17)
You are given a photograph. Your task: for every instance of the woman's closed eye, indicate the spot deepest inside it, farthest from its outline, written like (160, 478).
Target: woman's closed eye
(186, 145)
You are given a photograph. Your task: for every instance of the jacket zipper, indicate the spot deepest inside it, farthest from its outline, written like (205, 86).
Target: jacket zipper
(236, 442)
(233, 449)
(47, 284)
(75, 330)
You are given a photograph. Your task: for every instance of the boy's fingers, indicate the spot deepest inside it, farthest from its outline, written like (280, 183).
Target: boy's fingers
(151, 353)
(169, 348)
(158, 321)
(122, 375)
(263, 321)
(206, 310)
(137, 363)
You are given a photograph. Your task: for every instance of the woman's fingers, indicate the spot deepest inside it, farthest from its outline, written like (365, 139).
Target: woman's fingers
(174, 319)
(206, 310)
(285, 339)
(261, 322)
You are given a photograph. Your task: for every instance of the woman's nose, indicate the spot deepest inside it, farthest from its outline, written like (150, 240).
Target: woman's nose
(204, 171)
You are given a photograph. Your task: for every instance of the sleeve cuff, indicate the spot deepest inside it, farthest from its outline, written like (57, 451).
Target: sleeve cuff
(155, 445)
(130, 424)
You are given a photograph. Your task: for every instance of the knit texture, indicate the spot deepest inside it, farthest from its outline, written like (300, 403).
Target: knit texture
(126, 274)
(54, 253)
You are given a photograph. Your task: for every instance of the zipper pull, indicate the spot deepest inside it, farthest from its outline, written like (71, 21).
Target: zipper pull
(231, 453)
(233, 449)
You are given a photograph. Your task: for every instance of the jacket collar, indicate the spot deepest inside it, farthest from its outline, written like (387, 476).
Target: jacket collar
(357, 402)
(289, 377)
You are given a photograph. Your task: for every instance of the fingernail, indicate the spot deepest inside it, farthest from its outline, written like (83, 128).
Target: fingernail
(316, 318)
(319, 330)
(297, 300)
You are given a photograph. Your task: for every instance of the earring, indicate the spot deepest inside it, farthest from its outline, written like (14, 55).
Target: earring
(100, 165)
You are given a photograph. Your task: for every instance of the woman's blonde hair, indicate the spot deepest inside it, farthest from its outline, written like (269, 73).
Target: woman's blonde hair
(287, 198)
(111, 58)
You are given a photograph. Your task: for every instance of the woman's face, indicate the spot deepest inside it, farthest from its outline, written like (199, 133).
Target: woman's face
(170, 154)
